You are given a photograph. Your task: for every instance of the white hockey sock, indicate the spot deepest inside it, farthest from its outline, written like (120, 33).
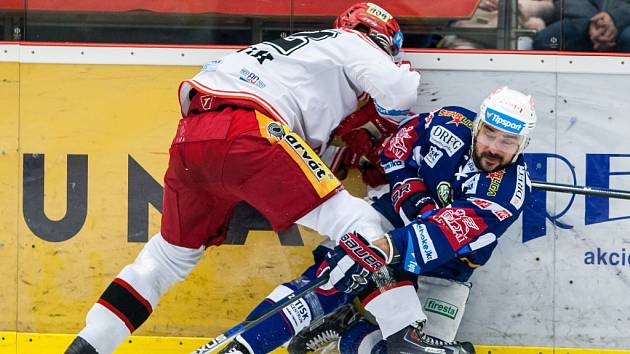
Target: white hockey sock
(136, 291)
(395, 308)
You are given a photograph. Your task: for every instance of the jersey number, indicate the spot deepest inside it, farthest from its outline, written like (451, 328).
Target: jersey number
(290, 44)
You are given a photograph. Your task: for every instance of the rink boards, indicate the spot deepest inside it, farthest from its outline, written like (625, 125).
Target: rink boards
(84, 137)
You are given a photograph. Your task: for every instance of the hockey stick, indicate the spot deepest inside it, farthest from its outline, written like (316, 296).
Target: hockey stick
(585, 190)
(275, 308)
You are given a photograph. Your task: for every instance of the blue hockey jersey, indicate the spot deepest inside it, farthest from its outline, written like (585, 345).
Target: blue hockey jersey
(475, 207)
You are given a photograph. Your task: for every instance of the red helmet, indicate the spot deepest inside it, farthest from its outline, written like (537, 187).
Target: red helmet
(379, 25)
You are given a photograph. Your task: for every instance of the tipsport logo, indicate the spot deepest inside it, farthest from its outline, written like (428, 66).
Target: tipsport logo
(503, 121)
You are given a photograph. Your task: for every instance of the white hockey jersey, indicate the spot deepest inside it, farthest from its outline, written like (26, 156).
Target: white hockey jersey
(310, 81)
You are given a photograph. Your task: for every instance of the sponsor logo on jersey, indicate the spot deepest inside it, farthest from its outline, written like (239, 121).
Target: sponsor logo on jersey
(398, 144)
(446, 140)
(460, 225)
(378, 12)
(456, 118)
(433, 156)
(251, 78)
(206, 101)
(427, 250)
(410, 263)
(495, 182)
(444, 193)
(500, 212)
(519, 191)
(393, 165)
(313, 163)
(503, 121)
(275, 130)
(441, 308)
(427, 120)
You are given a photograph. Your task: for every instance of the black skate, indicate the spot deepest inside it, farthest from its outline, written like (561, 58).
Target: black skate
(412, 340)
(80, 346)
(234, 348)
(324, 331)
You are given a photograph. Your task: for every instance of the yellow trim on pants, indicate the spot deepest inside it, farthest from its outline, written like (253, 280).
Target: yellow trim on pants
(316, 171)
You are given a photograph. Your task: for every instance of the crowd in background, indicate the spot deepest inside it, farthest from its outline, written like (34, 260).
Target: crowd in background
(572, 25)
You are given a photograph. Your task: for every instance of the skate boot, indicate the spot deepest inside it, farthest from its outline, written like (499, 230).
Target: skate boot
(323, 332)
(362, 337)
(80, 346)
(412, 340)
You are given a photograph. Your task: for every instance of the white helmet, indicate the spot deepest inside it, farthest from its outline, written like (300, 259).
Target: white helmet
(509, 111)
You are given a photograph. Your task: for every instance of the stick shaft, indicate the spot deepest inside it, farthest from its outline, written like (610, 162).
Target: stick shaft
(584, 190)
(275, 308)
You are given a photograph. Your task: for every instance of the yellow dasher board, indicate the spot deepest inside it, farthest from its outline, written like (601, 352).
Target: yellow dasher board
(93, 148)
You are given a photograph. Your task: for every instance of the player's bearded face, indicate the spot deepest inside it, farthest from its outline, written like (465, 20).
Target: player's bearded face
(494, 149)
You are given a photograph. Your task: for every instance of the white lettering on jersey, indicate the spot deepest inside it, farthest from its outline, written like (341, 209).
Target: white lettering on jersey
(465, 170)
(470, 186)
(393, 165)
(446, 140)
(427, 250)
(500, 212)
(519, 192)
(433, 156)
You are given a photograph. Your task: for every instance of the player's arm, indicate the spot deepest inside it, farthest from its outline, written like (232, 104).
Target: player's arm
(400, 160)
(470, 223)
(394, 88)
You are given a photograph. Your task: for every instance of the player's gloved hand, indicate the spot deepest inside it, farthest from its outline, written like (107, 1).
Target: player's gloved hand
(411, 199)
(350, 264)
(360, 142)
(372, 125)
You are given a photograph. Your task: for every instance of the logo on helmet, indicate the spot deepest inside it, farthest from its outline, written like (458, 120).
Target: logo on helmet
(504, 122)
(378, 12)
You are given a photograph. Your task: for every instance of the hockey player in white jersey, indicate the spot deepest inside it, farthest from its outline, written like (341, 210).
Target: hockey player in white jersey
(251, 125)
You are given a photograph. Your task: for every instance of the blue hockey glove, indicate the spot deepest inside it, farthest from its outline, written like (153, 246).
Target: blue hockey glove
(411, 199)
(350, 264)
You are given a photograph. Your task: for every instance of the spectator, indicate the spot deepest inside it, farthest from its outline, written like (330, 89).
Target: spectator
(532, 14)
(589, 25)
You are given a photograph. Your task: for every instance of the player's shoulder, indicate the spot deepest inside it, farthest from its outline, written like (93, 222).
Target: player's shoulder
(454, 117)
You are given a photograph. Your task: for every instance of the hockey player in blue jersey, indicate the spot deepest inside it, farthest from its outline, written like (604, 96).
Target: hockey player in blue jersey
(458, 181)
